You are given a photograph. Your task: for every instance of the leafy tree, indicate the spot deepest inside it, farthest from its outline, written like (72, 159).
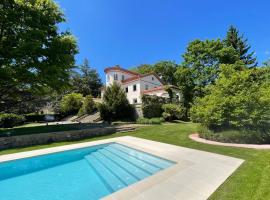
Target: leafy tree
(240, 44)
(165, 70)
(88, 106)
(87, 81)
(143, 69)
(186, 84)
(204, 59)
(172, 111)
(115, 104)
(240, 99)
(71, 103)
(34, 56)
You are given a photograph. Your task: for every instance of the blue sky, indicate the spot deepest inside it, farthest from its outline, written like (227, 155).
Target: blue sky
(133, 32)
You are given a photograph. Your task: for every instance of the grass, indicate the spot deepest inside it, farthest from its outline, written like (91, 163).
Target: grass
(34, 128)
(250, 181)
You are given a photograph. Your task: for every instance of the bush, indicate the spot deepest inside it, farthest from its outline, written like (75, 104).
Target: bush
(71, 103)
(152, 105)
(88, 106)
(35, 117)
(115, 105)
(240, 99)
(236, 136)
(172, 111)
(149, 121)
(10, 120)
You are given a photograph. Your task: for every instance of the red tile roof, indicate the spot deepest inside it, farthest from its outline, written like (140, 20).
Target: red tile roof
(154, 89)
(118, 68)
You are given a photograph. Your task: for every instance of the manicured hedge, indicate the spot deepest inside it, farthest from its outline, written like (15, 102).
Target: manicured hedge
(152, 106)
(9, 120)
(149, 121)
(172, 112)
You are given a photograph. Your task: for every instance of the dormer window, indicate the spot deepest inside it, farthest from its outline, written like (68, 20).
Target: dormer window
(115, 77)
(153, 78)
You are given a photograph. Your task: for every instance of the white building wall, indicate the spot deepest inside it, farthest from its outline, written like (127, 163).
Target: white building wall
(131, 94)
(110, 77)
(150, 81)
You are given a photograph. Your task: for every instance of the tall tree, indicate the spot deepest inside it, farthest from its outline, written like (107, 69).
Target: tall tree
(165, 70)
(240, 44)
(33, 54)
(87, 81)
(204, 59)
(143, 69)
(186, 84)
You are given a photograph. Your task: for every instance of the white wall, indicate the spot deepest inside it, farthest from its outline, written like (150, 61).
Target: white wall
(131, 95)
(110, 77)
(152, 83)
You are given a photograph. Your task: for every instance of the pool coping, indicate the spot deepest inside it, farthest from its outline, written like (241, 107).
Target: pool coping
(196, 174)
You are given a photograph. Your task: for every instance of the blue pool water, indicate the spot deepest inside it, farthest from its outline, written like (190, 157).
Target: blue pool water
(82, 174)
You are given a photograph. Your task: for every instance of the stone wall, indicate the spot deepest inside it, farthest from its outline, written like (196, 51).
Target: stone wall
(46, 138)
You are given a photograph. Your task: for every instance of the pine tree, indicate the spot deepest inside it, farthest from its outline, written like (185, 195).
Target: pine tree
(240, 44)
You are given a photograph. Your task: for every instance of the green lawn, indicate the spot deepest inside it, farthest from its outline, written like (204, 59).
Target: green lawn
(41, 128)
(250, 181)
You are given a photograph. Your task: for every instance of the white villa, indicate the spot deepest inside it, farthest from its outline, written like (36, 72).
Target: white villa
(136, 84)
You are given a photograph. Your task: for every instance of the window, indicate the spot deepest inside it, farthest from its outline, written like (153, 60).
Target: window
(134, 87)
(126, 89)
(135, 100)
(123, 77)
(108, 78)
(146, 87)
(153, 78)
(115, 77)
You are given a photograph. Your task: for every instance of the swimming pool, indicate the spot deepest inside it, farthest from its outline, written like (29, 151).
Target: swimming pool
(80, 174)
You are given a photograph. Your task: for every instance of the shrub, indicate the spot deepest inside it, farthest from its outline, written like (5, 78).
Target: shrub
(10, 120)
(115, 105)
(71, 103)
(152, 106)
(240, 99)
(88, 106)
(172, 111)
(236, 136)
(149, 121)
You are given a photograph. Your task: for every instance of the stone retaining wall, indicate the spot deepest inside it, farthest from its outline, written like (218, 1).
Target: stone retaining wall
(45, 138)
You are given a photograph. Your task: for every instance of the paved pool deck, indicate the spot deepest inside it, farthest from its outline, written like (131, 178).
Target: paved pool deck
(195, 176)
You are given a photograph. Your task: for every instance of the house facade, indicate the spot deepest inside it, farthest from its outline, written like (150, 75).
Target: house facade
(136, 85)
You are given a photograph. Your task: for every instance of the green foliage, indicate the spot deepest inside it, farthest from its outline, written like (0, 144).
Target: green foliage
(166, 70)
(236, 136)
(186, 84)
(87, 81)
(71, 103)
(172, 111)
(36, 117)
(149, 121)
(237, 41)
(152, 106)
(10, 120)
(34, 55)
(239, 99)
(143, 69)
(204, 59)
(115, 105)
(88, 106)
